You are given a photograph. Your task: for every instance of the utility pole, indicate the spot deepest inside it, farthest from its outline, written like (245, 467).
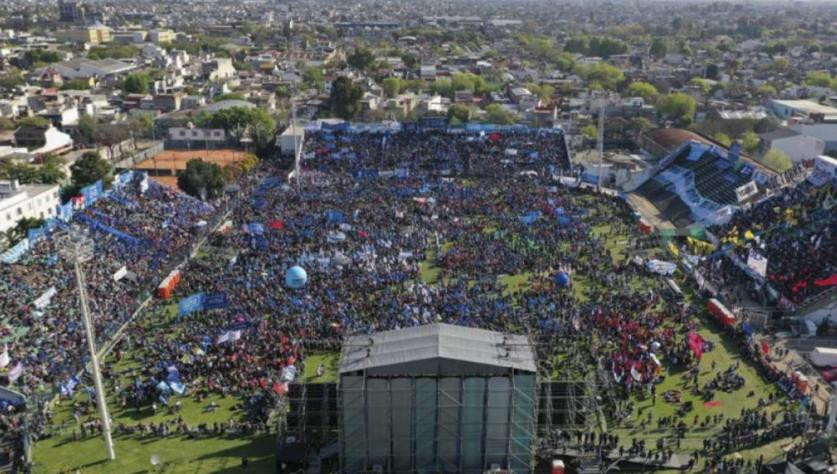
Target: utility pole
(79, 248)
(297, 170)
(601, 145)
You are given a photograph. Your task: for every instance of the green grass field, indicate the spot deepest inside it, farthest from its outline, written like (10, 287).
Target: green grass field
(177, 454)
(330, 363)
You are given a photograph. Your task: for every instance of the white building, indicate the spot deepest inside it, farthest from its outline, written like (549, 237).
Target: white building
(827, 132)
(218, 69)
(785, 109)
(38, 201)
(797, 146)
(294, 134)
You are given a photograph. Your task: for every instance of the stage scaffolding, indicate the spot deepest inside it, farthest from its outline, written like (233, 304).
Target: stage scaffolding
(405, 420)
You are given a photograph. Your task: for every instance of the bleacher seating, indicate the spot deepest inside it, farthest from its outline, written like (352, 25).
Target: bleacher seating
(701, 178)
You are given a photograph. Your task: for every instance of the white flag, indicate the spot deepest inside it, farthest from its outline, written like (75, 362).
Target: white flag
(4, 357)
(16, 372)
(635, 374)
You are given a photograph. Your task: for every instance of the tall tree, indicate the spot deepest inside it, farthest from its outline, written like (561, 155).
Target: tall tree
(712, 71)
(345, 98)
(391, 86)
(361, 59)
(659, 47)
(750, 142)
(778, 160)
(238, 121)
(643, 89)
(51, 170)
(87, 128)
(603, 74)
(90, 168)
(678, 106)
(201, 179)
(136, 83)
(497, 114)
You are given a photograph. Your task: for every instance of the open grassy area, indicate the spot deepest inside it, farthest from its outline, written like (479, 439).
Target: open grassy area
(330, 362)
(178, 454)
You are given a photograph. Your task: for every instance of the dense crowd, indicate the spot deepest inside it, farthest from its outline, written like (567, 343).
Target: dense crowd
(49, 346)
(138, 231)
(424, 244)
(393, 230)
(795, 231)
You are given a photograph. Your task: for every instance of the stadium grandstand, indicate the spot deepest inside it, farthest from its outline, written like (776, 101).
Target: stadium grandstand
(698, 181)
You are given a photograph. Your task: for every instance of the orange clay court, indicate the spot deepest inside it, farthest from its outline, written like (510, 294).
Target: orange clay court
(176, 160)
(166, 161)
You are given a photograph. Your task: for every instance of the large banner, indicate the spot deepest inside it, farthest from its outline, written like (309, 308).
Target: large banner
(748, 190)
(202, 302)
(13, 254)
(92, 193)
(215, 301)
(43, 300)
(119, 274)
(757, 262)
(65, 211)
(36, 235)
(190, 304)
(96, 225)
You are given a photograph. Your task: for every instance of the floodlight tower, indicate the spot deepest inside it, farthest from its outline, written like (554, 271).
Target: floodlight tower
(297, 146)
(601, 144)
(78, 248)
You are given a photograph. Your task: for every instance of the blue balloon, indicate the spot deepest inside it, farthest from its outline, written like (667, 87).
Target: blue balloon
(296, 277)
(562, 279)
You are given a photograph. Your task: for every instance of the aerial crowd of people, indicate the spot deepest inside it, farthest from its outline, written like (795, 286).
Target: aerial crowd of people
(393, 230)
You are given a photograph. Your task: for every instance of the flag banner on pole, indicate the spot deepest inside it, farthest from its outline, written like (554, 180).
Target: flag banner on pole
(757, 262)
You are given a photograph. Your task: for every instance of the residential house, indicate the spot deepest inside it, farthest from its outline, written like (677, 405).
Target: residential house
(369, 101)
(93, 35)
(218, 69)
(427, 72)
(162, 102)
(61, 116)
(41, 141)
(161, 36)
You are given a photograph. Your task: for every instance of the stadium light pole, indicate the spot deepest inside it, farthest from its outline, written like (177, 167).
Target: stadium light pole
(297, 150)
(78, 248)
(601, 145)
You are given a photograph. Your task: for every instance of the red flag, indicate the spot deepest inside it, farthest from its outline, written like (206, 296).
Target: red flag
(765, 347)
(696, 344)
(830, 281)
(280, 388)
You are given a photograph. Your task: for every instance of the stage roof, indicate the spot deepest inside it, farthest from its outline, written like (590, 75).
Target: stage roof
(437, 349)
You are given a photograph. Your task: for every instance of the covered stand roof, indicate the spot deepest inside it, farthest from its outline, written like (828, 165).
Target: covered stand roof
(437, 349)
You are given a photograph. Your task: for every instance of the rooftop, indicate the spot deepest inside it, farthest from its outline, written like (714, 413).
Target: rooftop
(807, 106)
(438, 349)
